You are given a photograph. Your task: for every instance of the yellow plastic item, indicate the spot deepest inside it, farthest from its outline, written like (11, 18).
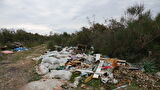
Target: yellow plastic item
(88, 79)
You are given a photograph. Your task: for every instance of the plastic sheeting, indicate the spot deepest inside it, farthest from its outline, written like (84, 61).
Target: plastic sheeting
(60, 74)
(20, 49)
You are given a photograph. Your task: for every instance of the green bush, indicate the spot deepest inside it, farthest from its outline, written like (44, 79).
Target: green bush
(149, 66)
(7, 37)
(51, 45)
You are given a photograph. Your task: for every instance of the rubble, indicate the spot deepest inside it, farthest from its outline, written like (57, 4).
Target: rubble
(59, 65)
(126, 76)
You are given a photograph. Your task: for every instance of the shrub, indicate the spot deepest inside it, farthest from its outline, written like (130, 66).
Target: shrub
(51, 45)
(149, 66)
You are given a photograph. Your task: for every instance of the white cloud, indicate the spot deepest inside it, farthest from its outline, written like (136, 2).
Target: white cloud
(43, 16)
(41, 29)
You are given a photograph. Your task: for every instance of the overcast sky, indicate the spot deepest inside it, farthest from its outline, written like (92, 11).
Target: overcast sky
(43, 16)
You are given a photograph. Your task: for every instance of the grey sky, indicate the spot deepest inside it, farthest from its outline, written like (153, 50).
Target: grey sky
(43, 16)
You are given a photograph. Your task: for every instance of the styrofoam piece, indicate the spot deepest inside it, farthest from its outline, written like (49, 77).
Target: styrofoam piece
(98, 56)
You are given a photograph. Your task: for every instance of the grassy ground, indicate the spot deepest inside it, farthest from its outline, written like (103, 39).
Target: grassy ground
(18, 69)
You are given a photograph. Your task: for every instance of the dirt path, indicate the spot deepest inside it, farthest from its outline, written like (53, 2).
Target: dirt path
(17, 69)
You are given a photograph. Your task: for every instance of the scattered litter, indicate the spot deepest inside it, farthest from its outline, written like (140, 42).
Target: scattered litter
(84, 71)
(120, 88)
(20, 49)
(62, 63)
(7, 52)
(88, 79)
(106, 67)
(76, 82)
(133, 68)
(96, 75)
(104, 80)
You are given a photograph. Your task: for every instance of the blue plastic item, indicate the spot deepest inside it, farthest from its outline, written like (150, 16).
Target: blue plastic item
(20, 49)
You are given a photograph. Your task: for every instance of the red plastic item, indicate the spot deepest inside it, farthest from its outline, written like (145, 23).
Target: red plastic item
(107, 67)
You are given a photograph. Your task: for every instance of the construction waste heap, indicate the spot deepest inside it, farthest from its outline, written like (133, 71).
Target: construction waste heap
(67, 69)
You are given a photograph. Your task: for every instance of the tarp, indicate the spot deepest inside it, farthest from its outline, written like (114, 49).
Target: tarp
(20, 49)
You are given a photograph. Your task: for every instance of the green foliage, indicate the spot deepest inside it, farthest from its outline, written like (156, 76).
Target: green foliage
(135, 10)
(7, 37)
(51, 45)
(74, 75)
(94, 83)
(149, 66)
(134, 86)
(60, 39)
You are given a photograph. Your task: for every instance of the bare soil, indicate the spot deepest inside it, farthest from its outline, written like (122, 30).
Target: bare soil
(17, 69)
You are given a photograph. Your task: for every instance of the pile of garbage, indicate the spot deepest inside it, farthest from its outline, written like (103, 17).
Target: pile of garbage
(10, 48)
(57, 69)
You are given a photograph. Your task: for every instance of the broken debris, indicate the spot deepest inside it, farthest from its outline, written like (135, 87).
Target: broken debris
(59, 65)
